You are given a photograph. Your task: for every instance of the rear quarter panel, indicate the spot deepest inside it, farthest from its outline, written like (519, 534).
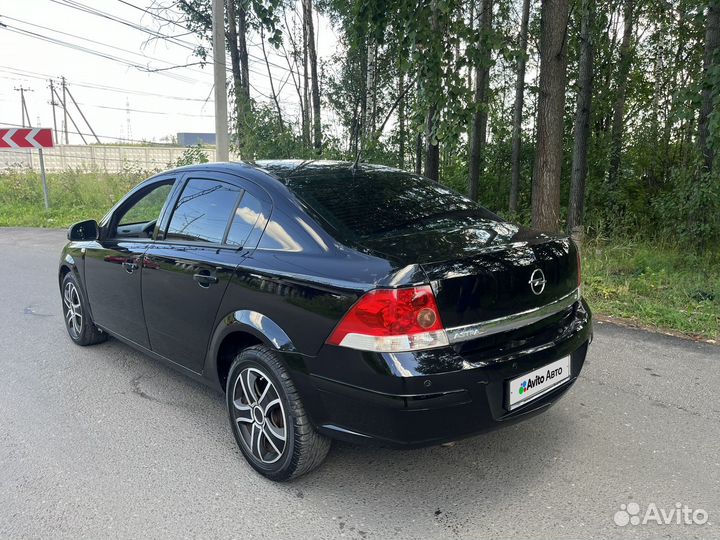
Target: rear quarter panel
(305, 295)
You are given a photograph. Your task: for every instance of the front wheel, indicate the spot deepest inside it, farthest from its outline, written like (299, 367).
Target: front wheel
(268, 419)
(78, 322)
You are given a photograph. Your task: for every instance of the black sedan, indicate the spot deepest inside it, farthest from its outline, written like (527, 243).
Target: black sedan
(332, 300)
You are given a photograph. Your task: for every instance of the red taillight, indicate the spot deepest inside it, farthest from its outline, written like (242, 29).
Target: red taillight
(392, 320)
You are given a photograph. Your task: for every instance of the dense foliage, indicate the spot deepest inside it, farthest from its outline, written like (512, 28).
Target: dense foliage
(404, 82)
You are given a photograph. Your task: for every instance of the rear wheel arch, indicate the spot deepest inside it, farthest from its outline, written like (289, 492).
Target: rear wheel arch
(230, 346)
(237, 331)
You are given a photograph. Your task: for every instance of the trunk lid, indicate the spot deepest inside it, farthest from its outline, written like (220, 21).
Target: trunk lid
(487, 271)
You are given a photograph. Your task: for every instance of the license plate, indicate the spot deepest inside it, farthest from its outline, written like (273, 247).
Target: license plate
(538, 382)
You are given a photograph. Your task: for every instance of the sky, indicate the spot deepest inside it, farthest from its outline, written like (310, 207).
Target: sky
(119, 98)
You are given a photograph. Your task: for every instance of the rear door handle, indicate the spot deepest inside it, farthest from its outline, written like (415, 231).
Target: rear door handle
(205, 280)
(129, 266)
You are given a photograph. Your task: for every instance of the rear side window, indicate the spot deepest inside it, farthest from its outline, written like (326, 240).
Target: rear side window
(203, 211)
(370, 204)
(245, 217)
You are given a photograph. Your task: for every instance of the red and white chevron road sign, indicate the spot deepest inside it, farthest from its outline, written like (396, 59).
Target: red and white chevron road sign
(26, 138)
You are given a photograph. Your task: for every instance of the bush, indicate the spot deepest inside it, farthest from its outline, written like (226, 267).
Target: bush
(191, 155)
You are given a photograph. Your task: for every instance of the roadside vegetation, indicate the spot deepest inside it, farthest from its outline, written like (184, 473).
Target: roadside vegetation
(651, 282)
(655, 284)
(74, 196)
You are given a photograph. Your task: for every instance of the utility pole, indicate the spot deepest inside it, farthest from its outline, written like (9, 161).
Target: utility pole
(68, 115)
(222, 138)
(23, 106)
(64, 105)
(53, 104)
(25, 114)
(81, 114)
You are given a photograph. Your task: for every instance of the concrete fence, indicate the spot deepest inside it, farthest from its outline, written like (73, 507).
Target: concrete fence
(103, 158)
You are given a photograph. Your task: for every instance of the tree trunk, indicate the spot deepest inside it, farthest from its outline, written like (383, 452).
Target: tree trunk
(363, 98)
(418, 141)
(296, 80)
(306, 85)
(551, 102)
(478, 135)
(232, 35)
(401, 121)
(312, 54)
(353, 142)
(432, 149)
(432, 146)
(517, 115)
(370, 77)
(418, 153)
(712, 45)
(582, 119)
(273, 94)
(243, 53)
(616, 137)
(467, 47)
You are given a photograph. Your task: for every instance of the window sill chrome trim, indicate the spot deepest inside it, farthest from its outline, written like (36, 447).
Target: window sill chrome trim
(459, 334)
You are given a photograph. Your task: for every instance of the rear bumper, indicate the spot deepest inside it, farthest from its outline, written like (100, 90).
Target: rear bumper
(431, 397)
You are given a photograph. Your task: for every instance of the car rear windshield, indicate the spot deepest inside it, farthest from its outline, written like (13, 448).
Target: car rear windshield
(370, 204)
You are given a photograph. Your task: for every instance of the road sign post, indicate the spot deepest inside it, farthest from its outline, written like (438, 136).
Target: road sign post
(30, 138)
(46, 198)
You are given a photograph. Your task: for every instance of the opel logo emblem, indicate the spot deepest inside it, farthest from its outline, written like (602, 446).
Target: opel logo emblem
(537, 281)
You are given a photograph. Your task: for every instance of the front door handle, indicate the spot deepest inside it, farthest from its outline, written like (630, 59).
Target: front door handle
(205, 280)
(130, 266)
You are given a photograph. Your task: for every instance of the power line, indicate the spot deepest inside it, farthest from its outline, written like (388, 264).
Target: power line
(172, 39)
(109, 16)
(108, 56)
(93, 52)
(102, 44)
(141, 111)
(180, 25)
(130, 63)
(42, 76)
(155, 15)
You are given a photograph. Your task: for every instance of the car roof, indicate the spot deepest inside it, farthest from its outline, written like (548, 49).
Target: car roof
(274, 175)
(283, 169)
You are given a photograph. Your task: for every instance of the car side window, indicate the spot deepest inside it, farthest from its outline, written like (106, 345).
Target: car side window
(138, 217)
(202, 211)
(244, 220)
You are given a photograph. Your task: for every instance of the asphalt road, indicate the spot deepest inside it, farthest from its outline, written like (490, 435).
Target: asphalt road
(102, 442)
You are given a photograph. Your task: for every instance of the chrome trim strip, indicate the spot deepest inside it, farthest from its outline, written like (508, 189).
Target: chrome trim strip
(459, 334)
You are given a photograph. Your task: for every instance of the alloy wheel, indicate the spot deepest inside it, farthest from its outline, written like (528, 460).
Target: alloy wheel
(260, 416)
(73, 310)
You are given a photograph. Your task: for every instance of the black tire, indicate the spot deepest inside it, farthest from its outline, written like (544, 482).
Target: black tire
(258, 422)
(78, 322)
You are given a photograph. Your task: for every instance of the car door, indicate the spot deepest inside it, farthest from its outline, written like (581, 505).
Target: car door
(188, 268)
(112, 263)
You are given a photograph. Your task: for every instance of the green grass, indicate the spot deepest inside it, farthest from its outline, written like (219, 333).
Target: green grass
(655, 284)
(74, 196)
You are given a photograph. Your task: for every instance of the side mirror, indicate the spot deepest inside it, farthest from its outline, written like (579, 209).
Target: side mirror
(83, 230)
